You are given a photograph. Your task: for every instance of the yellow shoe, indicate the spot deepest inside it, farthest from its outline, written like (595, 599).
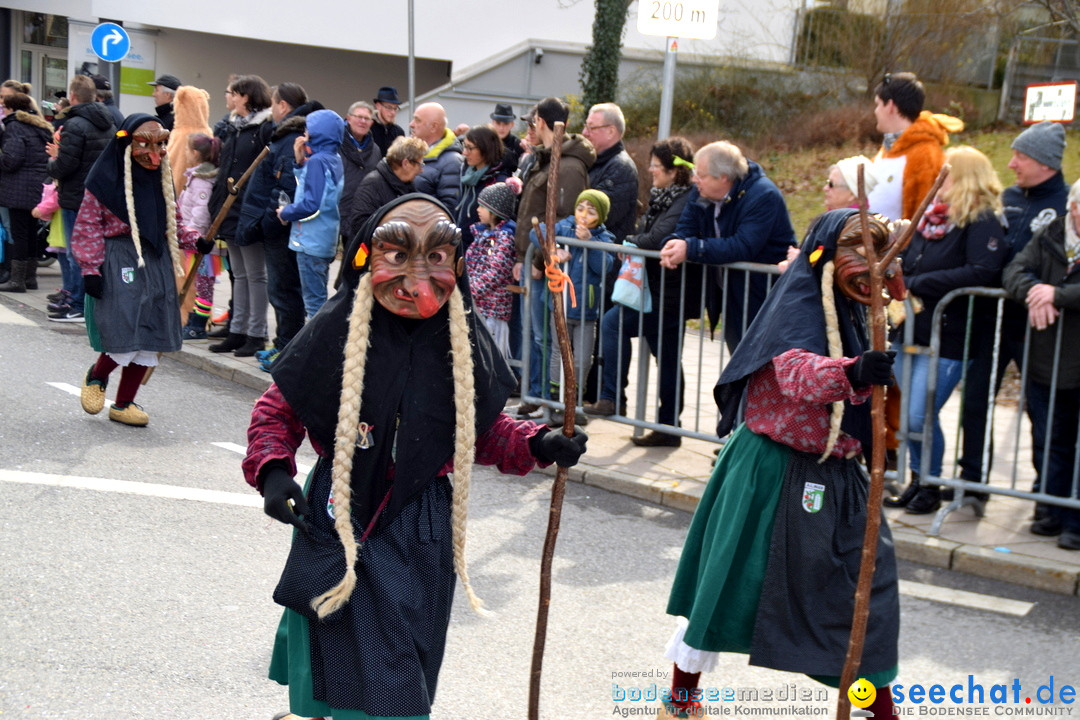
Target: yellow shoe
(92, 396)
(131, 415)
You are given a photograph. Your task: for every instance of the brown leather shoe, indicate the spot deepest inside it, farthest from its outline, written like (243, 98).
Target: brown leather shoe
(657, 439)
(602, 407)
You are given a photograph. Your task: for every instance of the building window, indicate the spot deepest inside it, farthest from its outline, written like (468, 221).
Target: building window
(44, 29)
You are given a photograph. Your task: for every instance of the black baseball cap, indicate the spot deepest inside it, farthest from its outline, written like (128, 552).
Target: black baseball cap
(170, 81)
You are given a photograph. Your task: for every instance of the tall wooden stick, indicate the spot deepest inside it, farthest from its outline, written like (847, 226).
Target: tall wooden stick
(877, 415)
(558, 489)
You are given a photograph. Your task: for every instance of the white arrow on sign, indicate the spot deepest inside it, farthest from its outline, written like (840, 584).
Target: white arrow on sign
(114, 37)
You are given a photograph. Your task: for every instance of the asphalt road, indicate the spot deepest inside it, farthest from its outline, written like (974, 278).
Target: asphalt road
(150, 597)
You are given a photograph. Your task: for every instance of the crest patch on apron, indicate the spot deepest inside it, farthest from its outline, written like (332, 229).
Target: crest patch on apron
(813, 497)
(127, 275)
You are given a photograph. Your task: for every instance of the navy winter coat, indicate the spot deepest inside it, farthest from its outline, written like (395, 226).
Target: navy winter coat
(754, 226)
(23, 159)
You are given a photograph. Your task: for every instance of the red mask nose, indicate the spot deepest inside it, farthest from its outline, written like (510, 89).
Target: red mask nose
(427, 302)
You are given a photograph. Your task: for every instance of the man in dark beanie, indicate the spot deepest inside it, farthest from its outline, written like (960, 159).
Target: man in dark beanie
(1036, 200)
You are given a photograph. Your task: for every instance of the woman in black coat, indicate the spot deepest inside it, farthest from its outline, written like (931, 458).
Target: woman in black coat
(245, 135)
(670, 164)
(392, 178)
(483, 152)
(23, 171)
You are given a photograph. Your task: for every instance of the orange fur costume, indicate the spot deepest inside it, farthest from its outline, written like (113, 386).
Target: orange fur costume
(191, 110)
(923, 146)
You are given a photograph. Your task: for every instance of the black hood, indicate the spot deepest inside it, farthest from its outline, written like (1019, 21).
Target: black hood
(408, 385)
(792, 317)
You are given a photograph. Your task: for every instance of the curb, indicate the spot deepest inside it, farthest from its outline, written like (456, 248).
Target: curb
(1011, 567)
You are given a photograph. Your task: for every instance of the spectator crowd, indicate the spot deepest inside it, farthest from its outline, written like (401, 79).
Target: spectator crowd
(313, 178)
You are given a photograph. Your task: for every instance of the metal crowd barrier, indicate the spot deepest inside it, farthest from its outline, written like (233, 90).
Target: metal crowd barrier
(964, 489)
(703, 356)
(706, 352)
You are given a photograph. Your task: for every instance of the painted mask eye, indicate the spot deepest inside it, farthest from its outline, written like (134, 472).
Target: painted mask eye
(437, 257)
(396, 257)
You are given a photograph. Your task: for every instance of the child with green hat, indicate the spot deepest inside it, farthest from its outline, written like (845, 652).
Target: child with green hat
(587, 271)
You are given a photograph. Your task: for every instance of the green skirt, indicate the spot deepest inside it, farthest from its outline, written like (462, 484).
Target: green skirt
(752, 550)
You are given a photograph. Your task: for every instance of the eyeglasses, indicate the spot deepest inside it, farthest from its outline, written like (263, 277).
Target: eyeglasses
(594, 128)
(885, 80)
(365, 118)
(469, 146)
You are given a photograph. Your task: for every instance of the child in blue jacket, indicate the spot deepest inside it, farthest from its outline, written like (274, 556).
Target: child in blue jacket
(587, 271)
(314, 213)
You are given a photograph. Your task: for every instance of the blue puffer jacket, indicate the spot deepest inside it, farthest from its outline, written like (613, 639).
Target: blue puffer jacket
(314, 213)
(275, 175)
(754, 226)
(585, 277)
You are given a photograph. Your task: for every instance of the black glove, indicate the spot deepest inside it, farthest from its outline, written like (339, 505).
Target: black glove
(93, 285)
(874, 367)
(554, 447)
(204, 246)
(278, 488)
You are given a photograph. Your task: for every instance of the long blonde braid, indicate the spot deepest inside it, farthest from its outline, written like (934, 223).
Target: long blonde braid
(836, 350)
(352, 389)
(464, 439)
(170, 217)
(129, 198)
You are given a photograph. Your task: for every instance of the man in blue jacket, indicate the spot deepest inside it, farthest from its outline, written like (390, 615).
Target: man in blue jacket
(734, 214)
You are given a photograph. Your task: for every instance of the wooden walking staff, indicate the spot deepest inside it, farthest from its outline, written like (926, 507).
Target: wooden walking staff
(878, 268)
(233, 191)
(558, 489)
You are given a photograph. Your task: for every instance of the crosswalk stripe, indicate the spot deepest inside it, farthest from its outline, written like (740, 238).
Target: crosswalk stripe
(72, 390)
(10, 317)
(248, 499)
(966, 599)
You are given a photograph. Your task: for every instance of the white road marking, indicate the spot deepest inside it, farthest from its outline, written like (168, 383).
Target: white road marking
(965, 598)
(10, 317)
(77, 392)
(129, 487)
(241, 450)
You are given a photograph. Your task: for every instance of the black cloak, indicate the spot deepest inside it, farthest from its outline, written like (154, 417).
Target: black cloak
(105, 181)
(792, 317)
(408, 397)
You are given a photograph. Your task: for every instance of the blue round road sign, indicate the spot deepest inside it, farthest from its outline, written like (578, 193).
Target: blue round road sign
(110, 42)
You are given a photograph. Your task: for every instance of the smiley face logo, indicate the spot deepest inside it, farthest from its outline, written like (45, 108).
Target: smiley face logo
(861, 693)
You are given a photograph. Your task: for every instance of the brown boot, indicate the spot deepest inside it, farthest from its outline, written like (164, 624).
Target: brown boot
(17, 283)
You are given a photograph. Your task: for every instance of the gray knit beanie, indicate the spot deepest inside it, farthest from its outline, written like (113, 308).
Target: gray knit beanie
(1044, 143)
(500, 199)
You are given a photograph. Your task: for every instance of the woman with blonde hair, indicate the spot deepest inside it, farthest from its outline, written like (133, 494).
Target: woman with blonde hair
(960, 243)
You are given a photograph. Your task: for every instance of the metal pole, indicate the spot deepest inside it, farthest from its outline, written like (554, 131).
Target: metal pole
(667, 89)
(412, 58)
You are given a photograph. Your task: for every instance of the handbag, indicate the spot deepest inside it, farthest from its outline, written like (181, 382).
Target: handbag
(631, 288)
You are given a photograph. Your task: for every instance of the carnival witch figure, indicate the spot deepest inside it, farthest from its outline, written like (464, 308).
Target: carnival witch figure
(772, 555)
(125, 241)
(397, 384)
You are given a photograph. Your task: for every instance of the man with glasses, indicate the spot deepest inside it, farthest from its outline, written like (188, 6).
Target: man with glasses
(614, 172)
(384, 131)
(735, 214)
(359, 154)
